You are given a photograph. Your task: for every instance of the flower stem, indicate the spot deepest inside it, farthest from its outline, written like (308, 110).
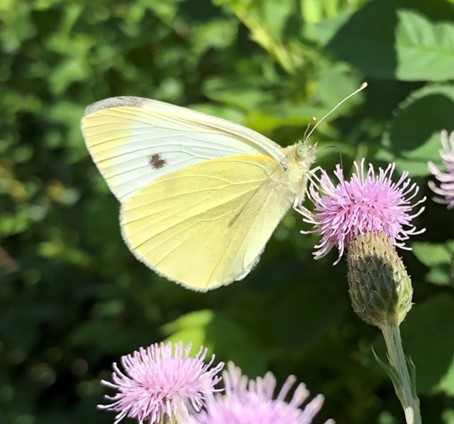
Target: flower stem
(404, 385)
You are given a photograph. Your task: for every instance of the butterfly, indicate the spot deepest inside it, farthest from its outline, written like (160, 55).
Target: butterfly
(200, 196)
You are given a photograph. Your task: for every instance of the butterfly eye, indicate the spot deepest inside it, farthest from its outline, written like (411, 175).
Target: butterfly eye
(301, 152)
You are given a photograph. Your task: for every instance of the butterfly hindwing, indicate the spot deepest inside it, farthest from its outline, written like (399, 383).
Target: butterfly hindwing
(206, 225)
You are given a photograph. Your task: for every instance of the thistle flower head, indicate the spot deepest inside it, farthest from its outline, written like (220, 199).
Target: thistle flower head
(252, 401)
(444, 188)
(379, 286)
(161, 382)
(369, 202)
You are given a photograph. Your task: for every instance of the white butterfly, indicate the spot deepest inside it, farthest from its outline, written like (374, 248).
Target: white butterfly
(200, 196)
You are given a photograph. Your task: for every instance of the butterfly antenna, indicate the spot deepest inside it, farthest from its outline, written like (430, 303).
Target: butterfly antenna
(311, 123)
(360, 88)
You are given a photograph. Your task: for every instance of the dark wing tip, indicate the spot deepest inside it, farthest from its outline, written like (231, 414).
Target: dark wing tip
(115, 102)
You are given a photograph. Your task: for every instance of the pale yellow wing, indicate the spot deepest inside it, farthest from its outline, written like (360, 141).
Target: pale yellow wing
(207, 224)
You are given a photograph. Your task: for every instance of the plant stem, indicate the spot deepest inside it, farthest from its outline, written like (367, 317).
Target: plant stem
(403, 384)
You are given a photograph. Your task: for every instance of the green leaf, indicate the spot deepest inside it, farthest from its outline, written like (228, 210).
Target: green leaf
(219, 33)
(396, 39)
(448, 416)
(424, 47)
(275, 26)
(413, 138)
(441, 276)
(388, 369)
(221, 336)
(317, 10)
(335, 82)
(428, 336)
(438, 257)
(431, 254)
(243, 94)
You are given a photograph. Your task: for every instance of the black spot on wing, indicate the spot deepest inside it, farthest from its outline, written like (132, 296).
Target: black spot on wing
(156, 161)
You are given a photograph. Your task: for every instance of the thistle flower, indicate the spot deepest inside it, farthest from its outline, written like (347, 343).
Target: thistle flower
(368, 216)
(252, 401)
(369, 202)
(161, 382)
(445, 179)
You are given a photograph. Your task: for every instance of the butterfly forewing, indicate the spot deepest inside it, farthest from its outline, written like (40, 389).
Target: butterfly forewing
(135, 141)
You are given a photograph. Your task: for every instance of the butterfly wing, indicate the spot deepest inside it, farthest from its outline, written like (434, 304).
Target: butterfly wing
(134, 141)
(206, 225)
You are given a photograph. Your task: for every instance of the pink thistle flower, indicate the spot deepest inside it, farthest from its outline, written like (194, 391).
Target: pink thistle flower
(253, 402)
(369, 202)
(445, 188)
(161, 381)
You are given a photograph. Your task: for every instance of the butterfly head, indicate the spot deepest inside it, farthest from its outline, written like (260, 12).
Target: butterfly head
(299, 160)
(305, 153)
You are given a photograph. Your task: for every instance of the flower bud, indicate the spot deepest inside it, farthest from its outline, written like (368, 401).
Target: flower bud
(380, 288)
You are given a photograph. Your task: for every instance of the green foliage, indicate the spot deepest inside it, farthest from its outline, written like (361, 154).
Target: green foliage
(413, 136)
(72, 297)
(433, 322)
(406, 40)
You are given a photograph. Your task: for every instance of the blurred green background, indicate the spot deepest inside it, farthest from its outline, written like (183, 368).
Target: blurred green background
(73, 298)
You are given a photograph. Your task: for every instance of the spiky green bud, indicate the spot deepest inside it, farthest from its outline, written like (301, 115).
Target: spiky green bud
(379, 285)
